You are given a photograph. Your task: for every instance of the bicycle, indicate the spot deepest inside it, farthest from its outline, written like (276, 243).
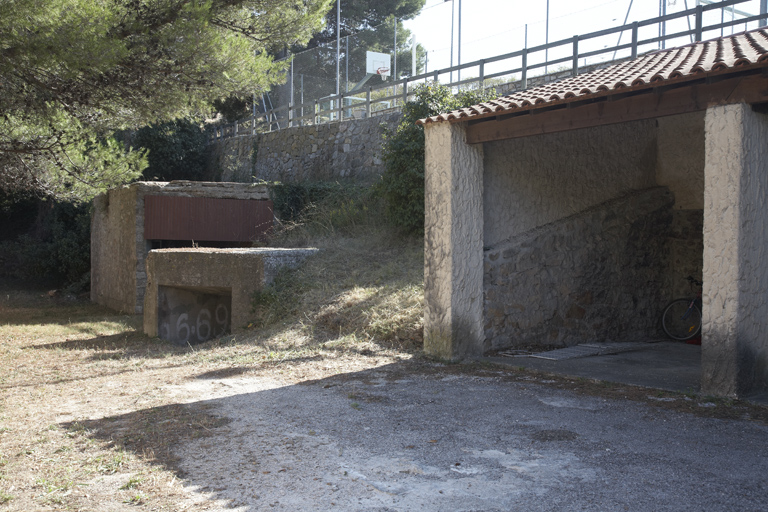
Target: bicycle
(681, 319)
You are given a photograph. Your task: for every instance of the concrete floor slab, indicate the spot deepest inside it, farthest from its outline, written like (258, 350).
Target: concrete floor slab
(672, 366)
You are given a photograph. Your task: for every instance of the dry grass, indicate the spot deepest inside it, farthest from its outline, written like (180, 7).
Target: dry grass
(88, 415)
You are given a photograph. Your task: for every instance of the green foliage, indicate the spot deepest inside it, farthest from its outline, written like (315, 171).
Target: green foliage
(402, 184)
(176, 150)
(328, 204)
(74, 71)
(58, 250)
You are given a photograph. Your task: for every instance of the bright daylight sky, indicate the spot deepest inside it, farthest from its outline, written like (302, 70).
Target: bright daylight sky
(494, 27)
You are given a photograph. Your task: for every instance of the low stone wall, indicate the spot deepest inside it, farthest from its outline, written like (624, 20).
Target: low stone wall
(344, 150)
(597, 275)
(195, 294)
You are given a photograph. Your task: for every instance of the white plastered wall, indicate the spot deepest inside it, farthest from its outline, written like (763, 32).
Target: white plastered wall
(735, 295)
(453, 243)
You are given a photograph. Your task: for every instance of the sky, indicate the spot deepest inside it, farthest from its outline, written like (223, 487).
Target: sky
(494, 27)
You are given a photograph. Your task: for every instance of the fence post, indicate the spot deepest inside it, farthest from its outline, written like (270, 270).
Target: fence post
(234, 129)
(368, 102)
(524, 78)
(634, 40)
(575, 70)
(253, 125)
(341, 107)
(437, 76)
(314, 117)
(405, 92)
(699, 21)
(482, 75)
(290, 115)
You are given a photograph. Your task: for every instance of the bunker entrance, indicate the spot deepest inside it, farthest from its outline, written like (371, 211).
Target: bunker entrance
(188, 315)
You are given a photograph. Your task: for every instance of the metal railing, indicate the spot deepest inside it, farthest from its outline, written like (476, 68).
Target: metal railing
(384, 97)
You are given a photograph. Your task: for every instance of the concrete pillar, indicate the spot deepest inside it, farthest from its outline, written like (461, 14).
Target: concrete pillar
(735, 323)
(453, 243)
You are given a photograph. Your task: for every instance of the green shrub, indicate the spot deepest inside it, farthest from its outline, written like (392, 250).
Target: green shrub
(176, 150)
(57, 250)
(328, 206)
(402, 184)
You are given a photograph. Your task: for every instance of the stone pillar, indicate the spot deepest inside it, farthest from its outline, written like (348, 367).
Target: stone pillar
(453, 243)
(735, 324)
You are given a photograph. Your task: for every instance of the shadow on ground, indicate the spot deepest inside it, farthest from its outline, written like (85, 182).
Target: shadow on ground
(426, 436)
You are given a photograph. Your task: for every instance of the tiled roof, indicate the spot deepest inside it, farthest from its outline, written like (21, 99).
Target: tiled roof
(718, 56)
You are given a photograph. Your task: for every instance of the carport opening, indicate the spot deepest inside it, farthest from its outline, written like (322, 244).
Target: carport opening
(588, 243)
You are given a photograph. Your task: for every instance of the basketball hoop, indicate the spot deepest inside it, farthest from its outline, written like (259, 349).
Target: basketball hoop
(383, 72)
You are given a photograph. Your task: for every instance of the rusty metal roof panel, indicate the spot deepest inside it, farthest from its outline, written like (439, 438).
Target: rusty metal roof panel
(724, 55)
(206, 218)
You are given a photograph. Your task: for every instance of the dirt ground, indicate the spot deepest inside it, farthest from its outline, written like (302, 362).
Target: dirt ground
(95, 416)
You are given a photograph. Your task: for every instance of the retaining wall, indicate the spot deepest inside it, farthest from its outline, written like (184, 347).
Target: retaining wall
(597, 275)
(342, 150)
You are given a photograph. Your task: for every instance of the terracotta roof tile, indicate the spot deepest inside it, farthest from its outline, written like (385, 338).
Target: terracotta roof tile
(723, 55)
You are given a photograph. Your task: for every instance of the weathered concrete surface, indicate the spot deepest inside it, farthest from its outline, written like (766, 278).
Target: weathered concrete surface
(118, 246)
(387, 440)
(680, 158)
(594, 276)
(186, 316)
(453, 243)
(532, 181)
(735, 309)
(238, 273)
(343, 150)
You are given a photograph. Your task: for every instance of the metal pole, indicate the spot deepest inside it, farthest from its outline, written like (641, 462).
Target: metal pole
(394, 71)
(664, 25)
(546, 50)
(524, 78)
(346, 61)
(618, 43)
(459, 49)
(338, 41)
(301, 79)
(660, 3)
(453, 11)
(338, 44)
(413, 57)
(763, 10)
(290, 105)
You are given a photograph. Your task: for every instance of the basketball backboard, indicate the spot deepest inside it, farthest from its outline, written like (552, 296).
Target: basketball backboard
(377, 63)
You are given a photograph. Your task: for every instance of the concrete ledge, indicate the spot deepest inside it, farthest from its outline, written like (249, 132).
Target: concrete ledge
(196, 294)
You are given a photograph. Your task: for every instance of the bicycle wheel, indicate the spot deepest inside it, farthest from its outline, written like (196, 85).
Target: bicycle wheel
(681, 319)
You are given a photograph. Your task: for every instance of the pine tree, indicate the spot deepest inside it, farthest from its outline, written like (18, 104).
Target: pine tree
(74, 71)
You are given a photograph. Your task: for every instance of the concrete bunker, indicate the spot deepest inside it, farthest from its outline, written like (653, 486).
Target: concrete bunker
(130, 221)
(195, 294)
(572, 212)
(182, 253)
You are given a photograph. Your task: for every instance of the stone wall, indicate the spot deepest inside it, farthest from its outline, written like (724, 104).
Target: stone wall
(532, 181)
(680, 167)
(596, 276)
(343, 150)
(534, 186)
